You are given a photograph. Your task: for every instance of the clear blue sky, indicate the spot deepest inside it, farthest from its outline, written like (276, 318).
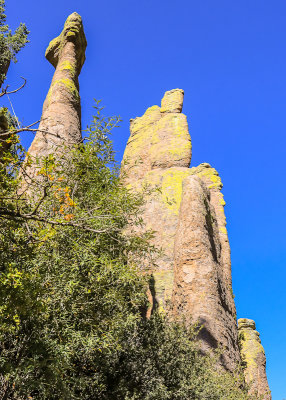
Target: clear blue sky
(230, 58)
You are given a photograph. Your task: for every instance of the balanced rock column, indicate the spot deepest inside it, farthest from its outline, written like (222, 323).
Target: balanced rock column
(61, 117)
(253, 356)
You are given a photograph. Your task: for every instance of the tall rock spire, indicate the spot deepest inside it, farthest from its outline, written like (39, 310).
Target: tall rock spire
(192, 276)
(158, 154)
(253, 356)
(61, 117)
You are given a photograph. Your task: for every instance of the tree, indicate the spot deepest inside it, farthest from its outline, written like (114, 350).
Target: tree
(10, 44)
(73, 291)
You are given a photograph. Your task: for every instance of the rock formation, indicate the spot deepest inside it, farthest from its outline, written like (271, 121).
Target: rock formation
(61, 117)
(192, 277)
(185, 208)
(201, 290)
(253, 356)
(158, 154)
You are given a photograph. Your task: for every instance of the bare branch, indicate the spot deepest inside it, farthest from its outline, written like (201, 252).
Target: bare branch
(4, 90)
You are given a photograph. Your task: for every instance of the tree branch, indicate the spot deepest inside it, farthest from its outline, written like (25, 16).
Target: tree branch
(4, 90)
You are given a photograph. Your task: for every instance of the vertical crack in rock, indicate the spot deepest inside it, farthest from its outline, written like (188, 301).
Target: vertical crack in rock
(253, 357)
(61, 117)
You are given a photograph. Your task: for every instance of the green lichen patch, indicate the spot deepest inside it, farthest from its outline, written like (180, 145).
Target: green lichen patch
(250, 347)
(73, 31)
(170, 185)
(209, 175)
(68, 84)
(66, 65)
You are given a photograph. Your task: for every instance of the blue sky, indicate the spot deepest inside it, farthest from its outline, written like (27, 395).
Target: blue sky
(229, 57)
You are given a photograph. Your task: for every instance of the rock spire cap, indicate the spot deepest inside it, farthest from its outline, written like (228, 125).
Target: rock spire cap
(172, 102)
(72, 32)
(246, 323)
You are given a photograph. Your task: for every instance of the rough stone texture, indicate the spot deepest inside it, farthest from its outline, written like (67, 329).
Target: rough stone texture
(158, 139)
(212, 180)
(201, 292)
(61, 117)
(172, 102)
(253, 356)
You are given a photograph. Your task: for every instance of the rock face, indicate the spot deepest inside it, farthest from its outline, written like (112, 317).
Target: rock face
(159, 139)
(201, 290)
(253, 356)
(192, 278)
(61, 117)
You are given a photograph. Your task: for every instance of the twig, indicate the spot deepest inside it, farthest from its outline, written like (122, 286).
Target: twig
(4, 90)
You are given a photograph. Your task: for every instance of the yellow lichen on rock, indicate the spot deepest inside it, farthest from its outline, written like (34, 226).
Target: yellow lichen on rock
(253, 357)
(209, 175)
(61, 117)
(158, 139)
(172, 101)
(72, 32)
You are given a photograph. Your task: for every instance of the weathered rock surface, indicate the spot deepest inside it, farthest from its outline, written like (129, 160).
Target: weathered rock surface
(61, 117)
(192, 277)
(253, 356)
(158, 139)
(201, 292)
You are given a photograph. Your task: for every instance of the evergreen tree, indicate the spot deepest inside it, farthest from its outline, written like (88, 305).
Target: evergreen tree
(10, 43)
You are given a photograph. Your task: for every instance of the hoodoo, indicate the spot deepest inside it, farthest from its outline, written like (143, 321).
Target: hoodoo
(253, 356)
(61, 117)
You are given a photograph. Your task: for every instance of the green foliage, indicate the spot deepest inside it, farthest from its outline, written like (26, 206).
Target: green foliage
(73, 291)
(161, 361)
(10, 44)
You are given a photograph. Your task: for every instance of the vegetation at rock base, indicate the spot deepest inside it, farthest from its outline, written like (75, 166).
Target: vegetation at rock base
(71, 324)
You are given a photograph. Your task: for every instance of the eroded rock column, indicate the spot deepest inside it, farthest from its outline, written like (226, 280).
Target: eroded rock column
(61, 117)
(253, 356)
(158, 154)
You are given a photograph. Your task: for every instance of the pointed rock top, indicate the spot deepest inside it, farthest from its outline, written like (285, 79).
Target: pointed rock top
(172, 101)
(72, 32)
